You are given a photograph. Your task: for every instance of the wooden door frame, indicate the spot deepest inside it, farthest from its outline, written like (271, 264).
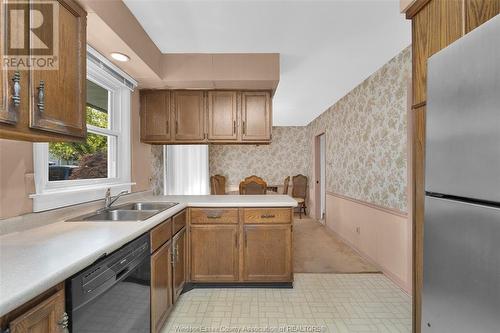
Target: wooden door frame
(317, 174)
(410, 181)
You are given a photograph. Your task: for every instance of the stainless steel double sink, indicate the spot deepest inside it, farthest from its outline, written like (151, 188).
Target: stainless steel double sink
(130, 212)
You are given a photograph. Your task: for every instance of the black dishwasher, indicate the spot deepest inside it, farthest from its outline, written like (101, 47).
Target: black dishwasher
(113, 294)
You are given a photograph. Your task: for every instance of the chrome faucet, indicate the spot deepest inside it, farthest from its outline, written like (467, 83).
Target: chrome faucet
(109, 200)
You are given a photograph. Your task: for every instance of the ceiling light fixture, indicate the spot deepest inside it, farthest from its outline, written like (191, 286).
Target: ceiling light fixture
(120, 56)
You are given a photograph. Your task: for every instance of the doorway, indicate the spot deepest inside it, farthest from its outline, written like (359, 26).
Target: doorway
(320, 175)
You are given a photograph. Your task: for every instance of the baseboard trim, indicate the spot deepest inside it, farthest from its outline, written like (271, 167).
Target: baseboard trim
(392, 211)
(273, 285)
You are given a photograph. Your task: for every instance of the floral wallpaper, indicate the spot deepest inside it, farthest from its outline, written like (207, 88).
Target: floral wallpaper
(157, 169)
(287, 155)
(366, 138)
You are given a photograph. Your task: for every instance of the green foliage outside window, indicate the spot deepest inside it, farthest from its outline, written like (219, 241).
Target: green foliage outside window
(73, 151)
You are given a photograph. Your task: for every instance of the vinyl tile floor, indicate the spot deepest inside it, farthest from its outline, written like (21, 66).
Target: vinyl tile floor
(334, 303)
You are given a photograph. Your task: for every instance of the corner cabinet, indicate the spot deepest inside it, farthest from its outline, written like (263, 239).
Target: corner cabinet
(201, 117)
(47, 104)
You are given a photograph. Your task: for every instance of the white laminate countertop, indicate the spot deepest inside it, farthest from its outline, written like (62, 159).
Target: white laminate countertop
(34, 260)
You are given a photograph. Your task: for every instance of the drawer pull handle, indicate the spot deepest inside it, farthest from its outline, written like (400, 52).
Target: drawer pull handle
(16, 96)
(41, 96)
(267, 216)
(214, 216)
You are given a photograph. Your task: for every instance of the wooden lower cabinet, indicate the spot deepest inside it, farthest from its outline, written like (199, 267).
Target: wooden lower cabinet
(214, 253)
(47, 316)
(179, 244)
(241, 245)
(161, 286)
(267, 253)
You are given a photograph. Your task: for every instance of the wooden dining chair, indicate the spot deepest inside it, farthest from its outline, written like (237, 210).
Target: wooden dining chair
(218, 184)
(285, 185)
(299, 191)
(253, 185)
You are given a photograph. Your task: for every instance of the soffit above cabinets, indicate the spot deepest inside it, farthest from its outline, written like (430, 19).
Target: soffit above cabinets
(221, 71)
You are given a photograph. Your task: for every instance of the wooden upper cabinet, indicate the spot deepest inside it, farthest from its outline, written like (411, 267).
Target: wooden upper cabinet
(214, 116)
(161, 286)
(222, 115)
(58, 97)
(10, 80)
(214, 253)
(478, 12)
(51, 103)
(8, 108)
(267, 253)
(155, 116)
(256, 116)
(189, 113)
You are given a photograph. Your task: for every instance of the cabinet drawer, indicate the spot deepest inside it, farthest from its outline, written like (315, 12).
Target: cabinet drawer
(179, 221)
(267, 215)
(214, 215)
(160, 234)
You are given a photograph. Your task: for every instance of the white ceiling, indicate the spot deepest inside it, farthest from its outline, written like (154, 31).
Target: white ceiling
(326, 47)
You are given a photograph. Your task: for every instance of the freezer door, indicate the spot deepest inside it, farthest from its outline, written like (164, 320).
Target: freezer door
(463, 116)
(461, 291)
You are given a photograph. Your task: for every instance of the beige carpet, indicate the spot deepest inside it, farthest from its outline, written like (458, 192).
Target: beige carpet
(319, 250)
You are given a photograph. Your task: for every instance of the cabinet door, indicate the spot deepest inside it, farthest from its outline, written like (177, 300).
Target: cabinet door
(179, 264)
(214, 253)
(58, 96)
(189, 112)
(10, 80)
(256, 114)
(155, 115)
(222, 115)
(479, 11)
(267, 253)
(46, 317)
(161, 286)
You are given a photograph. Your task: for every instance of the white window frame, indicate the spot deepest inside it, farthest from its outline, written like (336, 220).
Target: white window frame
(55, 194)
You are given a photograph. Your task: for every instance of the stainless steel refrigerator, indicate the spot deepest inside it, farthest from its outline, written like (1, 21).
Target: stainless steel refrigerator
(461, 277)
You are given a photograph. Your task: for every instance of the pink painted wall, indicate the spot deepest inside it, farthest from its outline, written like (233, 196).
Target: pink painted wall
(16, 168)
(378, 234)
(16, 177)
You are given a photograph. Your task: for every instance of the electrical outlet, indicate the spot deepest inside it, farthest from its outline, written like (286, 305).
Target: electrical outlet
(358, 230)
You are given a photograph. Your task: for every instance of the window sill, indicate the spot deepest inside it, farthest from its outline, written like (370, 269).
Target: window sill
(57, 198)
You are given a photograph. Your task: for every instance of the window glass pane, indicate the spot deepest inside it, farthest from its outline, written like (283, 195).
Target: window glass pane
(79, 160)
(97, 117)
(97, 105)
